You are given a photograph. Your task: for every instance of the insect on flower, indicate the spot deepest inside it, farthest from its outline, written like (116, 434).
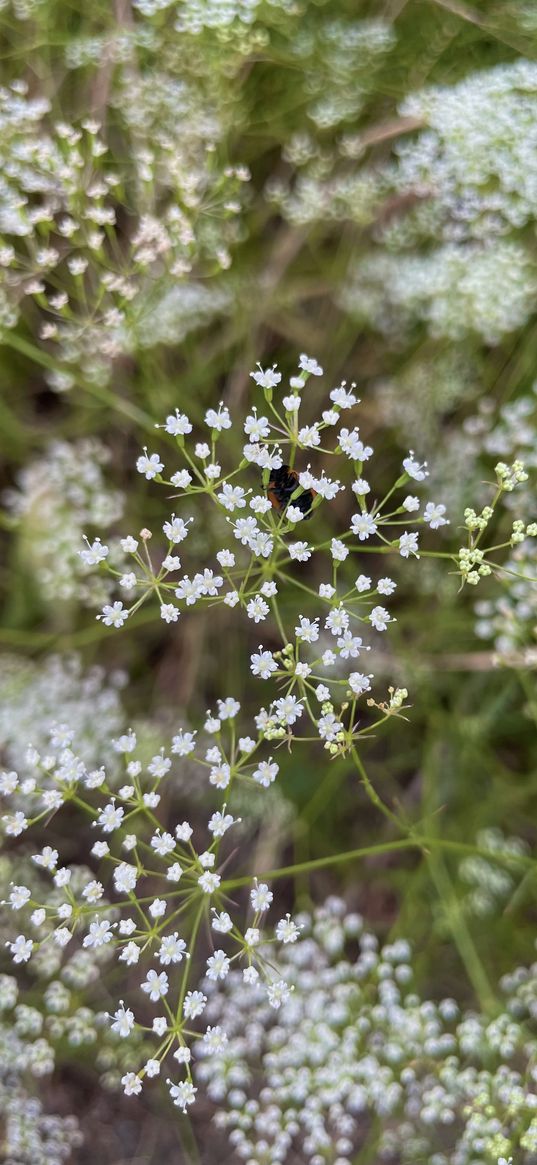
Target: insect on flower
(282, 485)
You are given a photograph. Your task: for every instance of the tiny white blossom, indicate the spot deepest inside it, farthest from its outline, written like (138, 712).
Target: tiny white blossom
(363, 525)
(155, 985)
(217, 965)
(113, 615)
(413, 467)
(308, 364)
(287, 931)
(123, 1020)
(132, 1084)
(434, 515)
(149, 466)
(178, 425)
(194, 1004)
(95, 553)
(408, 544)
(257, 609)
(278, 993)
(260, 896)
(338, 550)
(182, 1094)
(265, 773)
(379, 618)
(21, 948)
(411, 504)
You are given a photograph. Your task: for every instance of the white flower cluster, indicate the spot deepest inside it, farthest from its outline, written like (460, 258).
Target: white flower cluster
(477, 155)
(479, 289)
(510, 619)
(61, 203)
(57, 498)
(263, 507)
(34, 695)
(355, 1062)
(490, 884)
(142, 901)
(30, 1135)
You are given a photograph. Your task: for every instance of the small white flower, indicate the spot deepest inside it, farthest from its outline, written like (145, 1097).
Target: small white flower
(209, 882)
(169, 613)
(257, 609)
(379, 618)
(182, 479)
(183, 1055)
(231, 497)
(110, 817)
(307, 630)
(359, 683)
(265, 773)
(183, 743)
(256, 428)
(129, 544)
(278, 993)
(217, 965)
(260, 896)
(21, 948)
(178, 425)
(132, 1084)
(363, 525)
(386, 586)
(214, 1040)
(182, 1094)
(155, 985)
(299, 551)
(434, 515)
(266, 378)
(113, 615)
(338, 550)
(157, 908)
(130, 954)
(220, 822)
(287, 931)
(195, 1002)
(309, 436)
(95, 553)
(414, 469)
(408, 544)
(307, 364)
(351, 445)
(128, 581)
(218, 420)
(100, 933)
(250, 975)
(47, 859)
(172, 949)
(288, 709)
(123, 1020)
(149, 466)
(18, 897)
(222, 922)
(176, 530)
(411, 504)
